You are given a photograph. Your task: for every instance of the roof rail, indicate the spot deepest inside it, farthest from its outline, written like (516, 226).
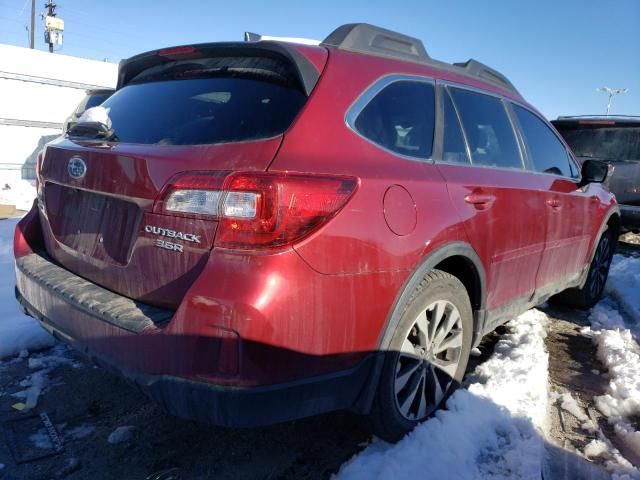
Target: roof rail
(372, 40)
(365, 38)
(478, 69)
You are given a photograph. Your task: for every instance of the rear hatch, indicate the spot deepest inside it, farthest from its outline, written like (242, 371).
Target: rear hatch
(616, 141)
(208, 108)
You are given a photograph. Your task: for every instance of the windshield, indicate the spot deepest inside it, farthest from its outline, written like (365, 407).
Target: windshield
(202, 110)
(610, 143)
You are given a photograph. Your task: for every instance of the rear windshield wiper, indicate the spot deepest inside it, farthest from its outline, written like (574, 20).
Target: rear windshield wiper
(92, 130)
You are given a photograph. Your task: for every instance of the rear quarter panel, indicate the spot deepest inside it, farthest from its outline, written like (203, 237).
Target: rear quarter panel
(359, 239)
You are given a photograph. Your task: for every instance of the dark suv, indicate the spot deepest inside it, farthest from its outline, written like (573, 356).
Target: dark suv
(616, 140)
(263, 231)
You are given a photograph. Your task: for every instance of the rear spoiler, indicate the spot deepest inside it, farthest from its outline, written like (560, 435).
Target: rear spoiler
(306, 72)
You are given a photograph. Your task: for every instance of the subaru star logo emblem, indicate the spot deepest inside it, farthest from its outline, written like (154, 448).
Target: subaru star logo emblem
(76, 167)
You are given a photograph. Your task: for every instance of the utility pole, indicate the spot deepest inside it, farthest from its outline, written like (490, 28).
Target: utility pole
(611, 92)
(33, 24)
(51, 13)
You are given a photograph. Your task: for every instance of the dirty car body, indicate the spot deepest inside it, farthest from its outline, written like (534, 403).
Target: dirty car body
(243, 242)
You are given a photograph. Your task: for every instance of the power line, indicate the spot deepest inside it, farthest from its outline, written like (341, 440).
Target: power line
(95, 26)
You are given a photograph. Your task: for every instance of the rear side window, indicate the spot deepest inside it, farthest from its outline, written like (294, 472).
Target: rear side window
(546, 152)
(488, 129)
(453, 149)
(400, 118)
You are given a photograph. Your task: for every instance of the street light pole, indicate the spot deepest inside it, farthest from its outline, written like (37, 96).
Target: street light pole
(33, 25)
(611, 92)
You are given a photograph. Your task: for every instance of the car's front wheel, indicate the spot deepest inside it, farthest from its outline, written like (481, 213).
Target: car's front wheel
(427, 357)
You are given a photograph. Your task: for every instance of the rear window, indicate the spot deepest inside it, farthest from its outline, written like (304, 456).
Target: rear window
(605, 142)
(225, 107)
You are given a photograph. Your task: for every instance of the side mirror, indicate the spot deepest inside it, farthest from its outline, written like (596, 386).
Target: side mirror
(594, 171)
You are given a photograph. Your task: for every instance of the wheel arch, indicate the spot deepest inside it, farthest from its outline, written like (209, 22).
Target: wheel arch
(460, 260)
(612, 220)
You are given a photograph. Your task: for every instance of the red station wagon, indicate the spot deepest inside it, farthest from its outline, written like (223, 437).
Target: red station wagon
(263, 231)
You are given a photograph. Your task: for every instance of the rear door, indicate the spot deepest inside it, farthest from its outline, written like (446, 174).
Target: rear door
(570, 211)
(482, 163)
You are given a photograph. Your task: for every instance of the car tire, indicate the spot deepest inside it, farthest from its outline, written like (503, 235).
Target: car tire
(417, 375)
(587, 296)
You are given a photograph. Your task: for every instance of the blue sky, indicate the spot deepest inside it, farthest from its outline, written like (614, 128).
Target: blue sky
(556, 52)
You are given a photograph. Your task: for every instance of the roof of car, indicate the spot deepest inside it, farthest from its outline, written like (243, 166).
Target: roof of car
(372, 40)
(360, 38)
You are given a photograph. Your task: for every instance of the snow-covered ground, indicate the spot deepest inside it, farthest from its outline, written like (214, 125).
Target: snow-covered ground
(493, 429)
(616, 338)
(19, 193)
(624, 286)
(17, 332)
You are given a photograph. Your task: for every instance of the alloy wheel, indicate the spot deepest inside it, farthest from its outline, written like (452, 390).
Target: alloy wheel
(428, 360)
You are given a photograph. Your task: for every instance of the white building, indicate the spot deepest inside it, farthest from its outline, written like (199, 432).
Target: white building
(38, 91)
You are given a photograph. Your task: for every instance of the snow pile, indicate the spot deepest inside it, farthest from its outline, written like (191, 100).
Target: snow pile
(569, 404)
(616, 340)
(618, 351)
(596, 448)
(36, 383)
(19, 193)
(17, 331)
(624, 285)
(492, 430)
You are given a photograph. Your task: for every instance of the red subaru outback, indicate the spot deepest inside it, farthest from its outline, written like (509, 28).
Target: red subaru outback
(261, 231)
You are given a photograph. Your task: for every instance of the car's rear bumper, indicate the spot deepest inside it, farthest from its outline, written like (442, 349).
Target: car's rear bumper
(104, 328)
(630, 216)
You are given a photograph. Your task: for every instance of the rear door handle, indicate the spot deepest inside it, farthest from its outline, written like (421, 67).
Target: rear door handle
(481, 201)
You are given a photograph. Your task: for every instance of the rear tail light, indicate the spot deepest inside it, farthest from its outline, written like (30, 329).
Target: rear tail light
(176, 52)
(257, 209)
